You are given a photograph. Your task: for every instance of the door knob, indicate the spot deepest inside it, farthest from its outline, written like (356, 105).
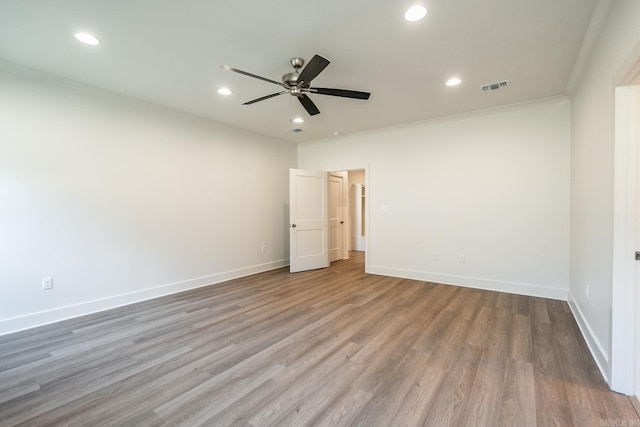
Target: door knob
(293, 226)
(341, 222)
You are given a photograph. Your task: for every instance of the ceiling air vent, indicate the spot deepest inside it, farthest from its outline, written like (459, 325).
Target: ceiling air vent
(295, 130)
(495, 86)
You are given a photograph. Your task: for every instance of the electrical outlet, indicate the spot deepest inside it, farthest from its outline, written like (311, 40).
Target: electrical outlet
(461, 258)
(436, 255)
(587, 292)
(47, 283)
(263, 249)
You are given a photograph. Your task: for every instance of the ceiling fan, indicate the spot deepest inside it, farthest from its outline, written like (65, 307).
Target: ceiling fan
(298, 83)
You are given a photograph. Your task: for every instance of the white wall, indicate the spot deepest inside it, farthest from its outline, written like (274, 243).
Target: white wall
(592, 178)
(492, 185)
(119, 200)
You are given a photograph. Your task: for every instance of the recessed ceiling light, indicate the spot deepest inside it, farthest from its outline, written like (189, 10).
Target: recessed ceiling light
(453, 81)
(224, 91)
(297, 120)
(415, 13)
(87, 38)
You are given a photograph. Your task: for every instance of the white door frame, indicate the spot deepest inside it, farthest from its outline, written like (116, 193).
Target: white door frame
(625, 332)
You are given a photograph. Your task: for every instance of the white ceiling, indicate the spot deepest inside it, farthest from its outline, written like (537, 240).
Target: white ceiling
(169, 52)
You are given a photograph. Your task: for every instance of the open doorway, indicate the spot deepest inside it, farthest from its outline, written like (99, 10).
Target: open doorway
(347, 214)
(320, 207)
(357, 208)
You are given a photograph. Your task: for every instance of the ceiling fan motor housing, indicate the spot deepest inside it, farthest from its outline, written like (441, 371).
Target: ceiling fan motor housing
(290, 79)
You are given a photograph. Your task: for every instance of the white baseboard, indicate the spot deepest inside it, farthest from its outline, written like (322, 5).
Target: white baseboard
(62, 313)
(358, 244)
(473, 282)
(598, 352)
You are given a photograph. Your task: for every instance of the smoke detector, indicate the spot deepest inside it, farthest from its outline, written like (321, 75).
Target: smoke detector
(495, 86)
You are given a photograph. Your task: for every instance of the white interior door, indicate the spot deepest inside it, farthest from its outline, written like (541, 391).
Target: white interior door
(308, 216)
(634, 131)
(625, 324)
(337, 215)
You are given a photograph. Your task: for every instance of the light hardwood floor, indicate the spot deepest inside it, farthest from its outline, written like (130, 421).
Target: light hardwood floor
(328, 347)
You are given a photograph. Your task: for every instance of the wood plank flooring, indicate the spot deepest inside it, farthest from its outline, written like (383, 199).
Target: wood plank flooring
(322, 348)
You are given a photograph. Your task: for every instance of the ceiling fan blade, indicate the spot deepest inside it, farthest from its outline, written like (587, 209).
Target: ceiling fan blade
(262, 98)
(341, 92)
(308, 105)
(235, 70)
(312, 69)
